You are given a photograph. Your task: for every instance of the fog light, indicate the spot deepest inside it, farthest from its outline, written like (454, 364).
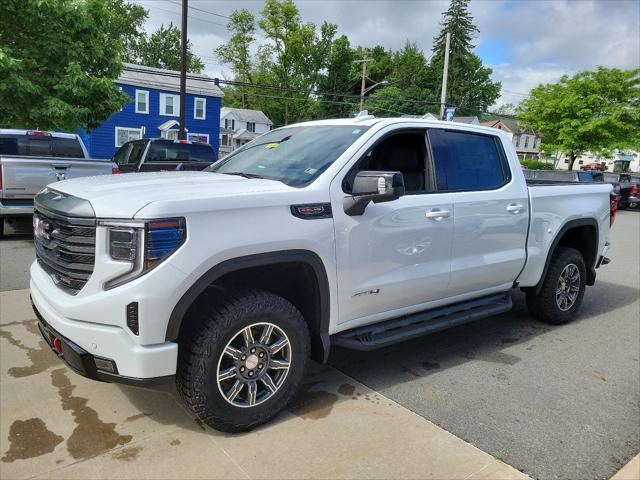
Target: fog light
(105, 365)
(132, 317)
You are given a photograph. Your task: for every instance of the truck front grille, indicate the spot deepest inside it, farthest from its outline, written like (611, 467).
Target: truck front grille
(65, 248)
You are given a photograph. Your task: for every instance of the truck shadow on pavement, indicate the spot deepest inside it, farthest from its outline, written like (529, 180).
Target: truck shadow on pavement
(482, 340)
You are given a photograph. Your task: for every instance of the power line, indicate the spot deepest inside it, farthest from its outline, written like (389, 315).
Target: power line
(201, 10)
(190, 16)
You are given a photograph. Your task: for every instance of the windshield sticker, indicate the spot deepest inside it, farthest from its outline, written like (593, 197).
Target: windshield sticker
(310, 171)
(272, 145)
(356, 131)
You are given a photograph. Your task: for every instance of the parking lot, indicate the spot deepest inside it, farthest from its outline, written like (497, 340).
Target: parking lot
(553, 402)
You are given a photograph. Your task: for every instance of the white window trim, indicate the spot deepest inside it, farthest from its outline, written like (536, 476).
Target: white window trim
(199, 135)
(204, 108)
(126, 128)
(146, 101)
(176, 105)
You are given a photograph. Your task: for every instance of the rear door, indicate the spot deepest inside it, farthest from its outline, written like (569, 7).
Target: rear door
(490, 210)
(169, 155)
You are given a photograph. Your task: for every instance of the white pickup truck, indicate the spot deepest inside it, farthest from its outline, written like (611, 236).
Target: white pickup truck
(358, 233)
(31, 159)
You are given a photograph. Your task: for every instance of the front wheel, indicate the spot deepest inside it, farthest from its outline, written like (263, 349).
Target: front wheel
(562, 289)
(243, 360)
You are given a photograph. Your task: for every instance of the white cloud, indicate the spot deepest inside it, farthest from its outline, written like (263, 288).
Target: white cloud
(542, 39)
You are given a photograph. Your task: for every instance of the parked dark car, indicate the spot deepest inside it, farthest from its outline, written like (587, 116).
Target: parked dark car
(627, 186)
(158, 154)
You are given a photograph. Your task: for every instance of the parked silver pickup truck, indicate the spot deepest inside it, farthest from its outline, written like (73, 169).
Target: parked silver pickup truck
(30, 160)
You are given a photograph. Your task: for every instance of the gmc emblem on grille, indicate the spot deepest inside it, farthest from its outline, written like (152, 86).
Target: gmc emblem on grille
(40, 228)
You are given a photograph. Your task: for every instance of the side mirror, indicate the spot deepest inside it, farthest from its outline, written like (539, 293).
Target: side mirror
(372, 186)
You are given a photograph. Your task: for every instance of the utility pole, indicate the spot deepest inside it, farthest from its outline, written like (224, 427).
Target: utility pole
(364, 76)
(445, 74)
(182, 132)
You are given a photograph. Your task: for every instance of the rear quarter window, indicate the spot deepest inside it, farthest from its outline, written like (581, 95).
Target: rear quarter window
(467, 161)
(66, 147)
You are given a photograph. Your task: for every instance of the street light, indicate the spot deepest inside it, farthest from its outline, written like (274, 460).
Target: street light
(363, 91)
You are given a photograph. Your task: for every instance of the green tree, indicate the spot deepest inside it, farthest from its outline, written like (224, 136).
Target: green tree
(593, 111)
(237, 51)
(162, 50)
(470, 87)
(59, 60)
(339, 78)
(293, 58)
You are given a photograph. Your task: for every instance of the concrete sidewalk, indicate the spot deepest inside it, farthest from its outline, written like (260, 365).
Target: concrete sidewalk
(54, 423)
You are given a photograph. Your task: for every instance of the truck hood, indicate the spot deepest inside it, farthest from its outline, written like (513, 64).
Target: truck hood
(122, 196)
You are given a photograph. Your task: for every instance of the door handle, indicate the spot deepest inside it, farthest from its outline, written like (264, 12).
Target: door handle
(437, 214)
(60, 166)
(515, 208)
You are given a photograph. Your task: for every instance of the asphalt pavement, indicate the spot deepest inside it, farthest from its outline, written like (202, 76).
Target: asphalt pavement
(553, 401)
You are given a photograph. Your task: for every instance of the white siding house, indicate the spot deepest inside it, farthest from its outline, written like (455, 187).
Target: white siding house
(239, 126)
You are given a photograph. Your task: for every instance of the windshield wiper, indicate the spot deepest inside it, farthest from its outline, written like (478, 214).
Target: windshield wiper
(242, 174)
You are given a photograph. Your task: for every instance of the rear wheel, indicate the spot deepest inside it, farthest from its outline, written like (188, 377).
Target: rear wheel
(243, 359)
(562, 289)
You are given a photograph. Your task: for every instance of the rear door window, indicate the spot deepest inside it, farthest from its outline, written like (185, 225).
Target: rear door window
(467, 161)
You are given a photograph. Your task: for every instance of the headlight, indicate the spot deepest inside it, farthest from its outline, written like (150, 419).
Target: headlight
(143, 245)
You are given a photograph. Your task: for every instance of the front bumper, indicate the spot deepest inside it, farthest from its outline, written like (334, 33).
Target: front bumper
(83, 363)
(84, 326)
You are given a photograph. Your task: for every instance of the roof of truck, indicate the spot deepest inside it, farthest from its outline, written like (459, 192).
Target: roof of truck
(15, 131)
(370, 120)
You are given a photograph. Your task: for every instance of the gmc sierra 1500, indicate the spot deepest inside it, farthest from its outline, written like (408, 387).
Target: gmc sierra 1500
(358, 233)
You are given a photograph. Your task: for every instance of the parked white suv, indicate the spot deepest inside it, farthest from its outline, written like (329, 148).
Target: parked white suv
(358, 233)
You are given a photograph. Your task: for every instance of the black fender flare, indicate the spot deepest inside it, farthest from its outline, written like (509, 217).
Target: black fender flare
(579, 222)
(256, 260)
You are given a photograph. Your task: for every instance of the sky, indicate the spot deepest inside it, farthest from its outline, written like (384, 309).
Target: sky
(525, 42)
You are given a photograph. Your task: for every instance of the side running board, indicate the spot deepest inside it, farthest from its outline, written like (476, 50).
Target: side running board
(386, 333)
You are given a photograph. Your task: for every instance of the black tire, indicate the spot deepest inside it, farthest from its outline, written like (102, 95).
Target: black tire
(215, 321)
(545, 306)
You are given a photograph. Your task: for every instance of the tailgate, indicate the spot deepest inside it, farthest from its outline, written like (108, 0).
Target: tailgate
(23, 177)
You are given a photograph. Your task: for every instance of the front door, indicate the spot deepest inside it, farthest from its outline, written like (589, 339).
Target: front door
(395, 257)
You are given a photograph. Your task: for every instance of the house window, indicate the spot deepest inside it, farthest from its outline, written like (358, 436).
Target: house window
(170, 134)
(199, 108)
(125, 134)
(517, 141)
(142, 101)
(198, 137)
(169, 104)
(224, 140)
(526, 141)
(251, 126)
(230, 124)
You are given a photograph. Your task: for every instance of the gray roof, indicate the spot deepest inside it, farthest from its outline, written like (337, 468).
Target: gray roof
(246, 115)
(149, 77)
(471, 120)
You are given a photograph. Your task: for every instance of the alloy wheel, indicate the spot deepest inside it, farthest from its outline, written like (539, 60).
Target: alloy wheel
(254, 365)
(568, 287)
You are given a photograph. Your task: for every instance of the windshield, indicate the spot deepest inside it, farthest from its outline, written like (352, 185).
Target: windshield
(295, 156)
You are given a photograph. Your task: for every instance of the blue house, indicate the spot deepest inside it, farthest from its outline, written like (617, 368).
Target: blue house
(154, 110)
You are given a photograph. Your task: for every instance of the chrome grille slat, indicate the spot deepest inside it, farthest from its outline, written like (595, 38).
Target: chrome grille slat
(67, 250)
